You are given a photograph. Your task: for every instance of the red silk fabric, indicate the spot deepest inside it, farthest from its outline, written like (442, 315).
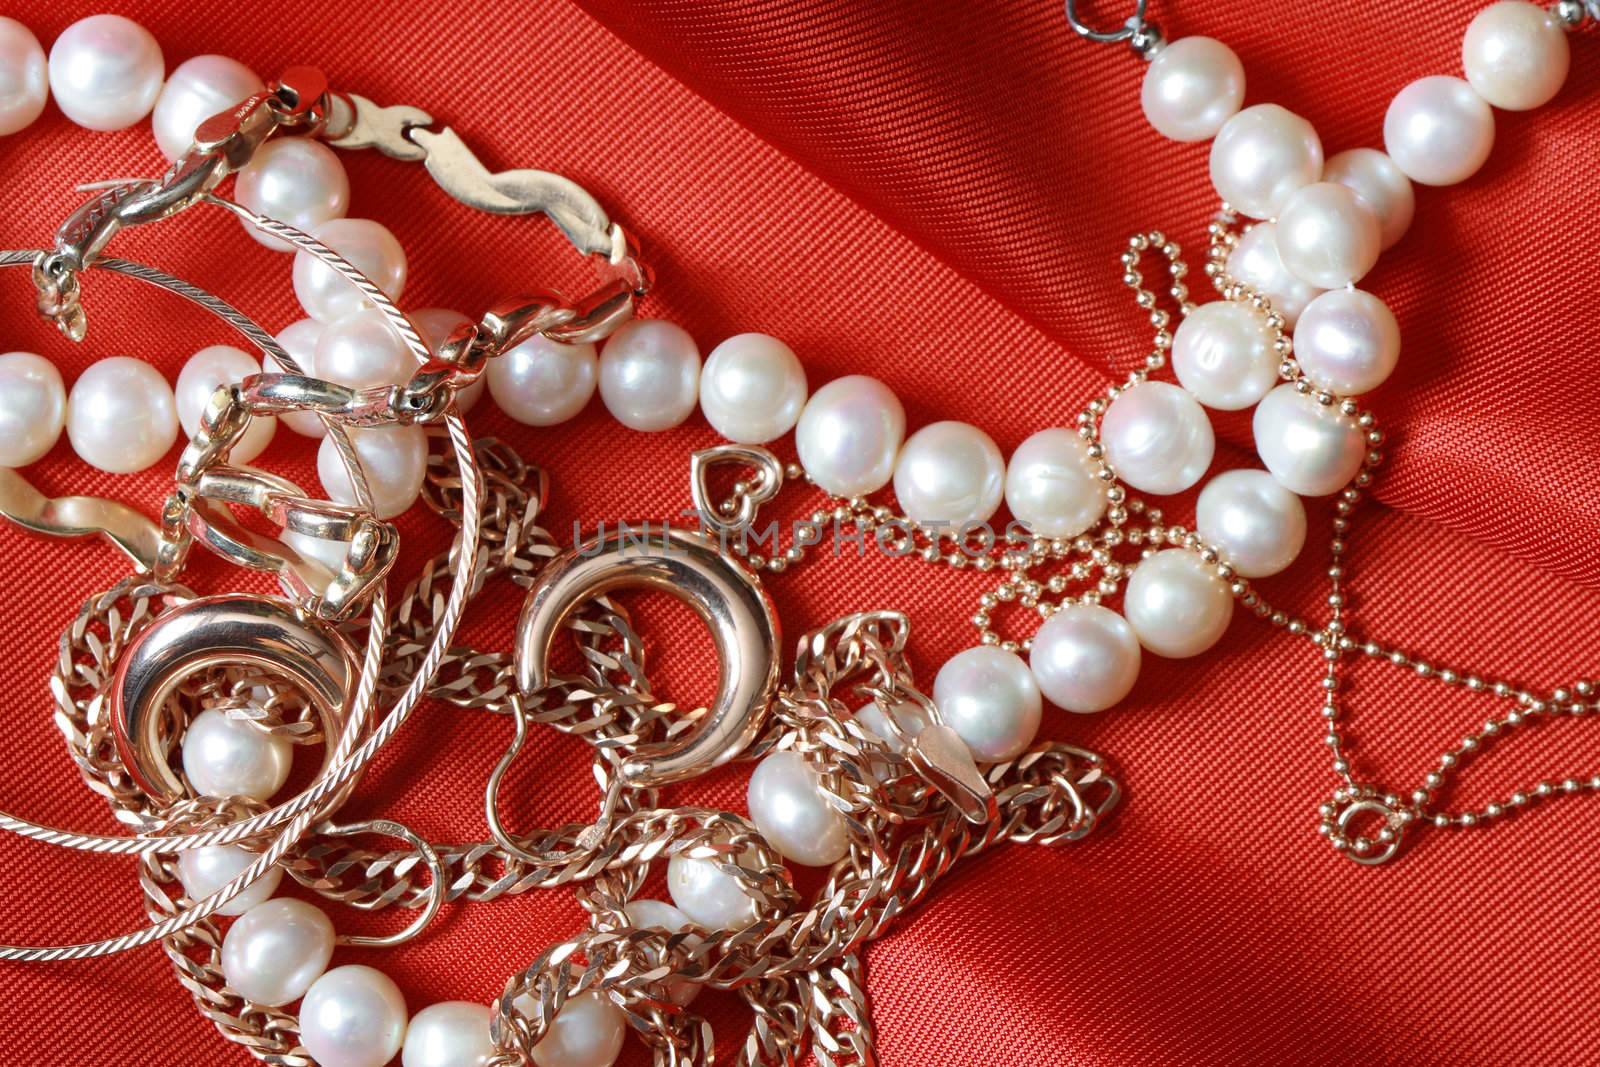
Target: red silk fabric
(936, 194)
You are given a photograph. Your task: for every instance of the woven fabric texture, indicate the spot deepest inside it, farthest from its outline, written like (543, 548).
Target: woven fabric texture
(935, 193)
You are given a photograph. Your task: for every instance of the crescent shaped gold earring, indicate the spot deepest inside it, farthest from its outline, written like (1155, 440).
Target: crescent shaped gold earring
(691, 567)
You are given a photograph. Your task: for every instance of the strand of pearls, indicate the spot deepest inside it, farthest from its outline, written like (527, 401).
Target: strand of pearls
(1323, 225)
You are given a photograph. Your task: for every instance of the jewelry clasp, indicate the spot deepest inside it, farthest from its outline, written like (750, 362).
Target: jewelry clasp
(1347, 806)
(1143, 37)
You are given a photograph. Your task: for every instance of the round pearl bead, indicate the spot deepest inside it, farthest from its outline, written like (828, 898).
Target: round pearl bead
(395, 460)
(33, 408)
(1438, 130)
(1516, 55)
(787, 806)
(949, 474)
(588, 1031)
(1380, 185)
(1157, 437)
(1085, 658)
(1327, 236)
(1051, 485)
(1192, 87)
(647, 914)
(299, 339)
(1261, 155)
(362, 351)
(353, 1017)
(452, 1034)
(328, 296)
(205, 870)
(753, 388)
(294, 180)
(331, 554)
(106, 72)
(1255, 262)
(436, 325)
(274, 952)
(1176, 604)
(909, 718)
(200, 88)
(223, 757)
(1347, 342)
(989, 697)
(543, 382)
(24, 82)
(1222, 353)
(1257, 524)
(650, 375)
(849, 435)
(208, 370)
(709, 896)
(121, 416)
(1311, 448)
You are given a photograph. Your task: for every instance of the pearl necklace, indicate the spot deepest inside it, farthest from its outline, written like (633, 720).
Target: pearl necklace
(859, 771)
(1325, 227)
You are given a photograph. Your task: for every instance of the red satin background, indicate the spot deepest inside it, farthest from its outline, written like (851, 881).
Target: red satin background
(936, 193)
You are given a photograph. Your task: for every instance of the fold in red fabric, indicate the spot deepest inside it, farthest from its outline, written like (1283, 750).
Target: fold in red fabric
(936, 194)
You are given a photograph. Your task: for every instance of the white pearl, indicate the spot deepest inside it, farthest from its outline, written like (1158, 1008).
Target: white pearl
(949, 474)
(1158, 438)
(752, 389)
(327, 295)
(1255, 262)
(1051, 485)
(1222, 353)
(199, 89)
(24, 81)
(712, 898)
(1347, 342)
(395, 460)
(294, 180)
(787, 806)
(910, 718)
(106, 72)
(207, 371)
(33, 408)
(121, 416)
(1259, 526)
(989, 697)
(353, 1016)
(543, 382)
(274, 951)
(650, 374)
(1380, 185)
(646, 914)
(1327, 236)
(1192, 87)
(1176, 604)
(1085, 658)
(362, 351)
(1311, 448)
(1261, 155)
(205, 870)
(330, 554)
(588, 1031)
(223, 757)
(436, 325)
(849, 435)
(1438, 130)
(454, 1033)
(1516, 55)
(299, 339)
